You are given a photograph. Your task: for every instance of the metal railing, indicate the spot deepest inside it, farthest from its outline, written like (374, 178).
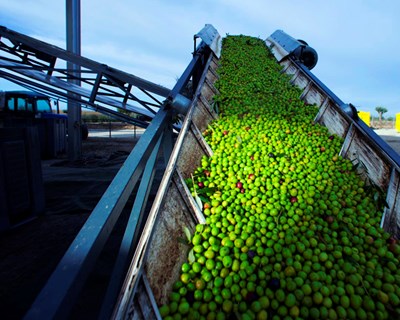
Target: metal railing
(40, 66)
(62, 290)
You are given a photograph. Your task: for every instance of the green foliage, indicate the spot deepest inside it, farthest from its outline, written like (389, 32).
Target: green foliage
(381, 111)
(96, 117)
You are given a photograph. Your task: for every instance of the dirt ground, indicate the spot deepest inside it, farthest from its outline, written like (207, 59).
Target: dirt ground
(30, 252)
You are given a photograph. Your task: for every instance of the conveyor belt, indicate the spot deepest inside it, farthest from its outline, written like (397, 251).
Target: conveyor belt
(39, 65)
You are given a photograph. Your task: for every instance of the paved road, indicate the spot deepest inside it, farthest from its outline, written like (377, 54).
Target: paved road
(391, 136)
(124, 133)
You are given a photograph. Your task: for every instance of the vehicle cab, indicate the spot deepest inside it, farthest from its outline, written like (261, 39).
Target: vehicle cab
(22, 109)
(25, 104)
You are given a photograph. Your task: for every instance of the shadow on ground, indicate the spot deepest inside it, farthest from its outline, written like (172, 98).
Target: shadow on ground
(30, 252)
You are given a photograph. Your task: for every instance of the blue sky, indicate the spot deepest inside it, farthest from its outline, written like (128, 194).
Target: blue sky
(357, 41)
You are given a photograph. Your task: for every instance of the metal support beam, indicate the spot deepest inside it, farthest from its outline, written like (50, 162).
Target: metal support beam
(73, 10)
(132, 233)
(42, 67)
(62, 289)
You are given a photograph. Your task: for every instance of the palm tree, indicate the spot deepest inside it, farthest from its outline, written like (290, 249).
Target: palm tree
(381, 111)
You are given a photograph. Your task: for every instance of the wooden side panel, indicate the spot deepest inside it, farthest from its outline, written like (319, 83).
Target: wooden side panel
(372, 162)
(212, 75)
(203, 114)
(214, 63)
(177, 209)
(301, 80)
(143, 306)
(166, 254)
(314, 96)
(333, 119)
(288, 67)
(391, 219)
(190, 156)
(208, 90)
